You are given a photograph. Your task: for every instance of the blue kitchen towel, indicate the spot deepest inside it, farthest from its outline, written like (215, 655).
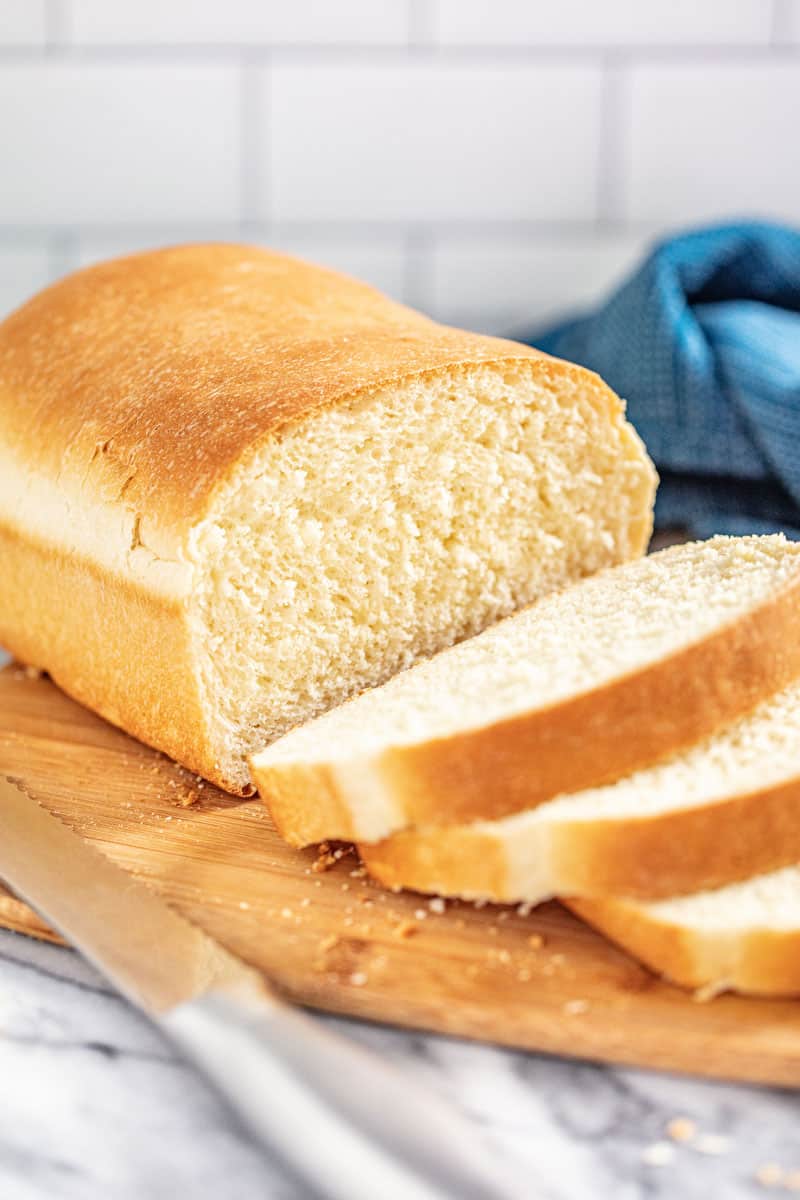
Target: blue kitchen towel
(703, 341)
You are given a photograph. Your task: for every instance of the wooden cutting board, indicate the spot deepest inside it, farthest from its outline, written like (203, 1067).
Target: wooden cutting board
(335, 941)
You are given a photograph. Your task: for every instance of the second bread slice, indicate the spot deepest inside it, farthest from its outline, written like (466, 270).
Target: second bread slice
(610, 675)
(717, 812)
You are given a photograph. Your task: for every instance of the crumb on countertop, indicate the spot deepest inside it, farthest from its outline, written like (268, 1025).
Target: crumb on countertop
(681, 1129)
(659, 1154)
(770, 1175)
(712, 1143)
(405, 929)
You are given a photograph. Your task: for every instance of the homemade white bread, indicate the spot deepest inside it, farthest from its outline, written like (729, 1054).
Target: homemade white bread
(236, 488)
(720, 811)
(612, 674)
(744, 937)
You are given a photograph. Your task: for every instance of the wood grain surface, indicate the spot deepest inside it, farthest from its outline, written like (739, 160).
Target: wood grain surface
(335, 941)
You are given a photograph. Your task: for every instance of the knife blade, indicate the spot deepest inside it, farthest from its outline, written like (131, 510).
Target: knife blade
(345, 1122)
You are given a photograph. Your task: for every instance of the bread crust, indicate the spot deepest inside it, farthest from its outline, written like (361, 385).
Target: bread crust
(78, 643)
(587, 740)
(157, 374)
(130, 394)
(646, 858)
(755, 960)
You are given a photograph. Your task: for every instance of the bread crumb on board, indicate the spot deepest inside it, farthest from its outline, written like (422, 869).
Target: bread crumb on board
(535, 941)
(405, 929)
(575, 1008)
(328, 856)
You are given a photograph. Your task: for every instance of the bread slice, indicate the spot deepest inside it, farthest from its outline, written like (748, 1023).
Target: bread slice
(236, 488)
(720, 811)
(610, 675)
(744, 937)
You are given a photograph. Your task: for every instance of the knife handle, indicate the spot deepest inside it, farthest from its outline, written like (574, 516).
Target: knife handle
(348, 1124)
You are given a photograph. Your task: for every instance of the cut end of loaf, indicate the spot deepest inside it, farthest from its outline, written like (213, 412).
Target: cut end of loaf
(384, 528)
(650, 657)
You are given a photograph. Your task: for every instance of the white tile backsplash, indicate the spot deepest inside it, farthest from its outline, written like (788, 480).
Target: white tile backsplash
(380, 261)
(85, 143)
(503, 285)
(247, 22)
(708, 140)
(432, 141)
(23, 271)
(605, 22)
(791, 21)
(22, 23)
(88, 248)
(496, 162)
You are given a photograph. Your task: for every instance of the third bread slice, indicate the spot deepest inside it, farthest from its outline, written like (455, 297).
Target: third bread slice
(744, 937)
(612, 674)
(717, 812)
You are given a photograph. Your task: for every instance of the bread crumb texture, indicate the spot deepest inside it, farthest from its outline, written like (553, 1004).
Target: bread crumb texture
(393, 524)
(569, 643)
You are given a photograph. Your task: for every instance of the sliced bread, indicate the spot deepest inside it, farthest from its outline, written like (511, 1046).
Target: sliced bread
(720, 811)
(744, 937)
(607, 676)
(236, 488)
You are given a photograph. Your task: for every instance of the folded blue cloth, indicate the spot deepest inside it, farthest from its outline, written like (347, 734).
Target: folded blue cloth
(703, 341)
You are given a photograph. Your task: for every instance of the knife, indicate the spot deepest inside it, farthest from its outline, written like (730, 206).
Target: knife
(344, 1122)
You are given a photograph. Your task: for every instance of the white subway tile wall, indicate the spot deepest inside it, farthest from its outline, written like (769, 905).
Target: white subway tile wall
(431, 141)
(22, 270)
(731, 145)
(237, 22)
(504, 284)
(604, 23)
(494, 162)
(22, 23)
(95, 143)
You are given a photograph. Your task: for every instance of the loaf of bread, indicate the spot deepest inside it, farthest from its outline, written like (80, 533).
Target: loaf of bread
(235, 489)
(744, 937)
(607, 676)
(713, 814)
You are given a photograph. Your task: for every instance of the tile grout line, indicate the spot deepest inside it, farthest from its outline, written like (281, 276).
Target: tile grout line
(418, 271)
(345, 54)
(62, 252)
(419, 24)
(615, 100)
(56, 27)
(780, 24)
(254, 187)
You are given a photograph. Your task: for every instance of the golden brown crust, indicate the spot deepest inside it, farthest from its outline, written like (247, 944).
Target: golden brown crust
(647, 858)
(177, 363)
(148, 693)
(689, 850)
(453, 860)
(585, 741)
(758, 961)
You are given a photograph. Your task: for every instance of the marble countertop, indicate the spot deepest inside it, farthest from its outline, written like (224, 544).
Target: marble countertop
(94, 1105)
